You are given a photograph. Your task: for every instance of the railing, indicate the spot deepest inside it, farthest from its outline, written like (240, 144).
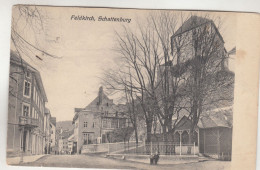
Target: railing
(162, 148)
(28, 121)
(142, 148)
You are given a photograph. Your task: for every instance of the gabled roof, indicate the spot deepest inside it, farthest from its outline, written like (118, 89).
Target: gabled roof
(221, 118)
(96, 100)
(194, 22)
(211, 119)
(191, 23)
(103, 106)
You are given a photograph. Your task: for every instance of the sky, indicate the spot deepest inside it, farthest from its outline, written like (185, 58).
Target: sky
(84, 50)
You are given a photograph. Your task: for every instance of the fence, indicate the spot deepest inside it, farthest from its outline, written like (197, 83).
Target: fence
(163, 149)
(142, 148)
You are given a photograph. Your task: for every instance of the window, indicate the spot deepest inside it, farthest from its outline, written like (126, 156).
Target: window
(34, 94)
(122, 123)
(35, 97)
(28, 74)
(114, 123)
(104, 123)
(33, 112)
(94, 123)
(87, 138)
(27, 87)
(25, 110)
(85, 124)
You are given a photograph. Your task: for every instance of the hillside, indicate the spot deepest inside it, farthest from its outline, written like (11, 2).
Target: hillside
(65, 125)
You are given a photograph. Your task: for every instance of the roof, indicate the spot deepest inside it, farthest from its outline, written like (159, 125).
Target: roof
(191, 23)
(99, 99)
(100, 105)
(211, 119)
(194, 22)
(220, 118)
(14, 58)
(71, 137)
(67, 134)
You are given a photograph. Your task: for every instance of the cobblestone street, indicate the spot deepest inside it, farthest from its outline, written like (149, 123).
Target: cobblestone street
(84, 161)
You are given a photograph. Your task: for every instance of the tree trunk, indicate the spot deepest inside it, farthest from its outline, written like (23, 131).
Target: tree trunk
(136, 138)
(149, 131)
(165, 138)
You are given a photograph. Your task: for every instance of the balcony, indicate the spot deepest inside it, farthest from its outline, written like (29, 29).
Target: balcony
(28, 122)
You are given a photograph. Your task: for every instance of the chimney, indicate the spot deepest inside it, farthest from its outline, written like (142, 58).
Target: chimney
(100, 95)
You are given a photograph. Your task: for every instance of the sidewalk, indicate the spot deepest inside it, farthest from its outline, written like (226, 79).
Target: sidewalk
(26, 159)
(164, 159)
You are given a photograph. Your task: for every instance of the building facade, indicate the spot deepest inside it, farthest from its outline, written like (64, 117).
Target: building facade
(64, 143)
(27, 99)
(47, 130)
(92, 123)
(54, 148)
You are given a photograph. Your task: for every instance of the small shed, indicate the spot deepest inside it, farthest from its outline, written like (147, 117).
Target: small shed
(213, 133)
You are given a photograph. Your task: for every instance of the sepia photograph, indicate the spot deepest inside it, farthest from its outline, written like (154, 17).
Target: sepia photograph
(121, 88)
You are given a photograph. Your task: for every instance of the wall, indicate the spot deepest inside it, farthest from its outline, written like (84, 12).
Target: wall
(90, 118)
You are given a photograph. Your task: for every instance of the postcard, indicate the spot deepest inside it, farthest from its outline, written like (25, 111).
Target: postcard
(132, 88)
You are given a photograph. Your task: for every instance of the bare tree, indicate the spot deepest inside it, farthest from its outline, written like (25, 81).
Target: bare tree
(132, 109)
(145, 71)
(169, 77)
(169, 70)
(138, 68)
(27, 29)
(204, 59)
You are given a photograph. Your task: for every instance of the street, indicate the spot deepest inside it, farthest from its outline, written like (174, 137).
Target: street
(85, 161)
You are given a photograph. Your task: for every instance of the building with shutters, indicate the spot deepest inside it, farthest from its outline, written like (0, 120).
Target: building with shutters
(92, 123)
(26, 109)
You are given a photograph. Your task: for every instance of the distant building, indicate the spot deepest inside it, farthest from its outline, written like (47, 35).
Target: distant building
(57, 138)
(71, 144)
(54, 148)
(64, 143)
(47, 129)
(27, 99)
(93, 122)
